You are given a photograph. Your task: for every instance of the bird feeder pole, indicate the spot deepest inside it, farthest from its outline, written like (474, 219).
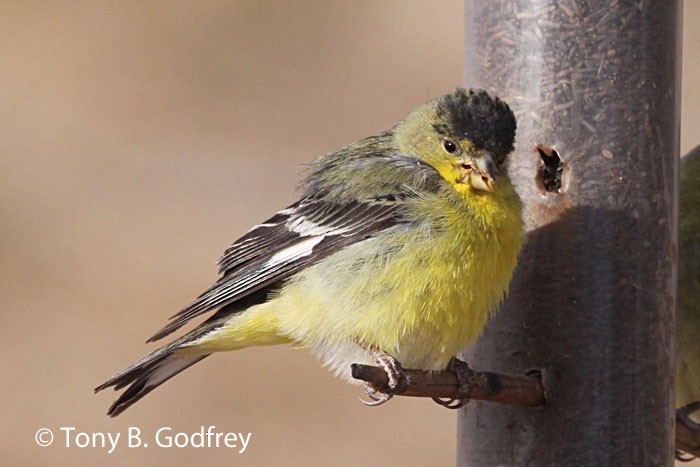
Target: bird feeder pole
(592, 304)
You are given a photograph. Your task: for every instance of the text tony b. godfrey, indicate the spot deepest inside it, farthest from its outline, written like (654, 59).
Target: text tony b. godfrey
(164, 437)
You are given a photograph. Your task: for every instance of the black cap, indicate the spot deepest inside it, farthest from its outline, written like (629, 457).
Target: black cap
(486, 121)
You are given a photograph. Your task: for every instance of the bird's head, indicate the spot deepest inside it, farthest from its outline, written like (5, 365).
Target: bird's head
(465, 136)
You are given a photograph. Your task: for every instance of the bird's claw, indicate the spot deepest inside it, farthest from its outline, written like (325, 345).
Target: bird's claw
(376, 400)
(462, 370)
(681, 458)
(450, 403)
(397, 380)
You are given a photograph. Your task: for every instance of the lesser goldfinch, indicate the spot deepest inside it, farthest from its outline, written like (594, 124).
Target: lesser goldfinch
(688, 352)
(399, 248)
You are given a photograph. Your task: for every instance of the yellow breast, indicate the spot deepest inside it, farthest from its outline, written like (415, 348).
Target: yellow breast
(420, 292)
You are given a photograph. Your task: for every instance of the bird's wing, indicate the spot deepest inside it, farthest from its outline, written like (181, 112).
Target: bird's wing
(292, 239)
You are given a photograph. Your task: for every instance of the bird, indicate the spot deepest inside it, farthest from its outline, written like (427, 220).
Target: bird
(400, 247)
(688, 346)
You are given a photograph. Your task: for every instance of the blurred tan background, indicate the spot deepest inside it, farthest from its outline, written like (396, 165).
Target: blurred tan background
(137, 140)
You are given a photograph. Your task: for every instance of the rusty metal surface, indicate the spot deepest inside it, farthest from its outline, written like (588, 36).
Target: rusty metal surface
(593, 298)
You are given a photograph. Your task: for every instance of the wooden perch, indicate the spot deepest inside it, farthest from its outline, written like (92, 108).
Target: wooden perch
(527, 390)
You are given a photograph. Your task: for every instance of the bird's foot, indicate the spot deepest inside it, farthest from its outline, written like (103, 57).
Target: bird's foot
(462, 370)
(397, 380)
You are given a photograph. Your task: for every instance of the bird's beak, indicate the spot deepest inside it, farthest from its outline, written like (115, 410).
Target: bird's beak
(479, 172)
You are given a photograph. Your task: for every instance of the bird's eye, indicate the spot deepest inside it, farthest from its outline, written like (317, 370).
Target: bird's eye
(449, 146)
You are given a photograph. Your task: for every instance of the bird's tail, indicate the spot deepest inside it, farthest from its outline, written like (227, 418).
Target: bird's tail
(148, 373)
(228, 329)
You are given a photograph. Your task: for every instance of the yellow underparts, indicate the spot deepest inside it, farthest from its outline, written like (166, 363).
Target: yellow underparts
(253, 327)
(420, 293)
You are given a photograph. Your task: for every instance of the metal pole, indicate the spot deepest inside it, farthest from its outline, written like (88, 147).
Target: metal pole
(594, 295)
